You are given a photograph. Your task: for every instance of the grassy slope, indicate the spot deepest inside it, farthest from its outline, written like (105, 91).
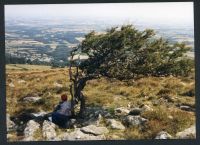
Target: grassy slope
(162, 94)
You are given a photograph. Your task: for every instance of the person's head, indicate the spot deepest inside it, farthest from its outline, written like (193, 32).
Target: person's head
(64, 97)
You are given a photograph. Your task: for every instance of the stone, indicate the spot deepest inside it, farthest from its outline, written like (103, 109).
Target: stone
(92, 129)
(93, 120)
(115, 124)
(77, 134)
(189, 133)
(48, 130)
(186, 108)
(32, 99)
(71, 123)
(10, 136)
(11, 85)
(170, 117)
(146, 108)
(11, 126)
(21, 81)
(30, 129)
(58, 85)
(135, 111)
(163, 135)
(121, 111)
(134, 120)
(42, 113)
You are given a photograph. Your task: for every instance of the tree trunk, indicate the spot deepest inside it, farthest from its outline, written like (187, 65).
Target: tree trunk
(82, 105)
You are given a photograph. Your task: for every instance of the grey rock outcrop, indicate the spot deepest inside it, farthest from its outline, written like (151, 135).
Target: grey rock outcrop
(92, 129)
(77, 134)
(30, 129)
(188, 133)
(115, 124)
(163, 135)
(48, 130)
(10, 124)
(134, 120)
(121, 111)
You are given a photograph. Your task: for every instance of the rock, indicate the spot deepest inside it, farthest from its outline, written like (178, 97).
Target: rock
(163, 135)
(58, 85)
(186, 108)
(94, 120)
(32, 99)
(92, 129)
(11, 85)
(77, 134)
(30, 129)
(21, 81)
(10, 124)
(115, 137)
(121, 111)
(115, 124)
(146, 108)
(135, 111)
(48, 130)
(10, 136)
(71, 123)
(134, 120)
(170, 117)
(42, 113)
(189, 133)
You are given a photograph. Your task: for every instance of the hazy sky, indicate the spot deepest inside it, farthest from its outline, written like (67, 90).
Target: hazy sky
(176, 12)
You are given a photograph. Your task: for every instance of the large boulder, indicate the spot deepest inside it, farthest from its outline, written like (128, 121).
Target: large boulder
(77, 134)
(30, 129)
(122, 111)
(163, 135)
(134, 120)
(189, 133)
(48, 130)
(92, 129)
(11, 126)
(115, 124)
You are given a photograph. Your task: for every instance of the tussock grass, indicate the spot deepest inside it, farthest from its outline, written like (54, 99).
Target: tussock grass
(167, 92)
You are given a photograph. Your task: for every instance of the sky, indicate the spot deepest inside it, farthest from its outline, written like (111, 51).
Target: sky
(174, 12)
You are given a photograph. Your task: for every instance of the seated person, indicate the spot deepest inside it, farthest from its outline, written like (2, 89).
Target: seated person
(62, 112)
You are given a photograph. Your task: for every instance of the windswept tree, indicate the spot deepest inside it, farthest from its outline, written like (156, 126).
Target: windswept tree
(125, 53)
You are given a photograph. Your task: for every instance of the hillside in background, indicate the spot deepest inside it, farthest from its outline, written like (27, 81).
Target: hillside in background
(49, 42)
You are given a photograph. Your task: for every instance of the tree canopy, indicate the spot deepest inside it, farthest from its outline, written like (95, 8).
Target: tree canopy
(126, 52)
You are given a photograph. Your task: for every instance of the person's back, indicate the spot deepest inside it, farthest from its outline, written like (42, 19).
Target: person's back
(62, 112)
(65, 108)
